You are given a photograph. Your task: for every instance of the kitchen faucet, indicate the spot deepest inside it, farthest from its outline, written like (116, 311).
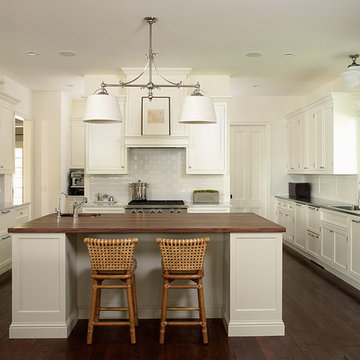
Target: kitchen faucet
(76, 208)
(58, 210)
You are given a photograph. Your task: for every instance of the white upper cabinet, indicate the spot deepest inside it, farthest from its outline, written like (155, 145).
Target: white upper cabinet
(206, 152)
(7, 134)
(77, 144)
(105, 149)
(323, 136)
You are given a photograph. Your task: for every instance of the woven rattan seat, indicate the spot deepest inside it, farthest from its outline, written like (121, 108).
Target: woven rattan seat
(112, 259)
(183, 259)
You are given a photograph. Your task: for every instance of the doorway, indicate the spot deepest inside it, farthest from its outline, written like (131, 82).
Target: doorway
(250, 168)
(22, 180)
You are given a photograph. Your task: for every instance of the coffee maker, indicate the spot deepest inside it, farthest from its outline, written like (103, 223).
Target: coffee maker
(76, 182)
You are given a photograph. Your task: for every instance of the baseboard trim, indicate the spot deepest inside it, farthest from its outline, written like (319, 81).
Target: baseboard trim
(235, 328)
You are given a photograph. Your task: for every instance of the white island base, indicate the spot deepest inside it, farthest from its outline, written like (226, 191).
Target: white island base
(52, 283)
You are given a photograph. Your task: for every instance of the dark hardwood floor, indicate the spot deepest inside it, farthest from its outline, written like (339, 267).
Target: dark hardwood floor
(321, 314)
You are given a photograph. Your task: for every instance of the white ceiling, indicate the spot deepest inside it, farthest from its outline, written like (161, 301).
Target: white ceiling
(210, 36)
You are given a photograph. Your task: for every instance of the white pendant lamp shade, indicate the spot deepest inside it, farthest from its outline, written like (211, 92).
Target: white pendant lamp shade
(352, 76)
(197, 110)
(102, 109)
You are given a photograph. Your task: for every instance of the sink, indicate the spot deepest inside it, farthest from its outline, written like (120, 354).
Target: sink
(81, 215)
(345, 207)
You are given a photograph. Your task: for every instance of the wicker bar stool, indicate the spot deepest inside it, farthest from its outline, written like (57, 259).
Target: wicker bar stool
(183, 259)
(112, 259)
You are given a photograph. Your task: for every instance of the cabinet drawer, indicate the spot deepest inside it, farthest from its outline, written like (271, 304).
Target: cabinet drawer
(5, 220)
(334, 217)
(313, 219)
(21, 215)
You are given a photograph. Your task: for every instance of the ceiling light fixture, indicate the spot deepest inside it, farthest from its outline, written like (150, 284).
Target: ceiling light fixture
(31, 53)
(104, 108)
(352, 75)
(67, 53)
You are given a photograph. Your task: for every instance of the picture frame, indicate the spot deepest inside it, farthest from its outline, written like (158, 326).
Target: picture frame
(155, 115)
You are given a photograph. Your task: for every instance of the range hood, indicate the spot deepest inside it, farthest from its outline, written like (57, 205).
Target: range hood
(156, 141)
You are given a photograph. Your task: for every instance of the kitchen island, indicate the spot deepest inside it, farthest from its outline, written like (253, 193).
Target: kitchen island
(242, 283)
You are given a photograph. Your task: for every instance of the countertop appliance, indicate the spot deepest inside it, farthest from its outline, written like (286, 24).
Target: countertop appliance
(299, 190)
(156, 207)
(76, 182)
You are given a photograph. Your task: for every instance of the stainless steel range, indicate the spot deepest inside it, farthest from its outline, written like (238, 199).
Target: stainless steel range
(156, 207)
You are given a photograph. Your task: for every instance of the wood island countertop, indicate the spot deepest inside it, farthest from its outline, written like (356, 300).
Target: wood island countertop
(150, 223)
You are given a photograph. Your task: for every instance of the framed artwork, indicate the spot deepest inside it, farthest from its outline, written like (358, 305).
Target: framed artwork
(155, 116)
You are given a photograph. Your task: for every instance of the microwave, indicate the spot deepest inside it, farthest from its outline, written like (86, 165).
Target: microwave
(299, 190)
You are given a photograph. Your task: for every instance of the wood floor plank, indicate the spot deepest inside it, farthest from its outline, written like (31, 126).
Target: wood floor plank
(321, 315)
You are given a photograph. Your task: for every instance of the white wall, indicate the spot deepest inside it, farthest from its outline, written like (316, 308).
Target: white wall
(47, 151)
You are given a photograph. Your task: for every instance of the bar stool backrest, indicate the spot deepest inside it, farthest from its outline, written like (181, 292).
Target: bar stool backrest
(182, 254)
(111, 254)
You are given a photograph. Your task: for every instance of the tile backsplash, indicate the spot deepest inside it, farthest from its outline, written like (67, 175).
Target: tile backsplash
(342, 188)
(164, 170)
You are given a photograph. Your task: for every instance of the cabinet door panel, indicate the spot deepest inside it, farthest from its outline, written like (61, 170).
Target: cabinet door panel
(7, 138)
(313, 244)
(77, 143)
(105, 149)
(328, 138)
(300, 226)
(206, 153)
(354, 267)
(340, 255)
(327, 244)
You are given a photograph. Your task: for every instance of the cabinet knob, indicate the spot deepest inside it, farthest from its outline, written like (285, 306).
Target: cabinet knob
(189, 167)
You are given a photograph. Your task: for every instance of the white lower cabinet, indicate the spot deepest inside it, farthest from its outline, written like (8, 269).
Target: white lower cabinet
(8, 218)
(354, 245)
(286, 218)
(313, 243)
(331, 238)
(300, 225)
(103, 210)
(334, 247)
(208, 209)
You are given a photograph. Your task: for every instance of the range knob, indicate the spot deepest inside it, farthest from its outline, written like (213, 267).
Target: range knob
(141, 211)
(159, 211)
(152, 211)
(133, 211)
(178, 211)
(172, 211)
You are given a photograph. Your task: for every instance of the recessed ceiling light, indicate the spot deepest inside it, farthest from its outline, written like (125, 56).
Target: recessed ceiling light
(31, 53)
(67, 53)
(254, 54)
(288, 55)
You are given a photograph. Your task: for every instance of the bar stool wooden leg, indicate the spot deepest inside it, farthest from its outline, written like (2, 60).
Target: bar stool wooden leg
(98, 299)
(133, 289)
(131, 311)
(163, 311)
(92, 312)
(202, 311)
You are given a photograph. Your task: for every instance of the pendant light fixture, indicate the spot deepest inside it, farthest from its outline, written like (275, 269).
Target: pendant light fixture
(104, 108)
(352, 75)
